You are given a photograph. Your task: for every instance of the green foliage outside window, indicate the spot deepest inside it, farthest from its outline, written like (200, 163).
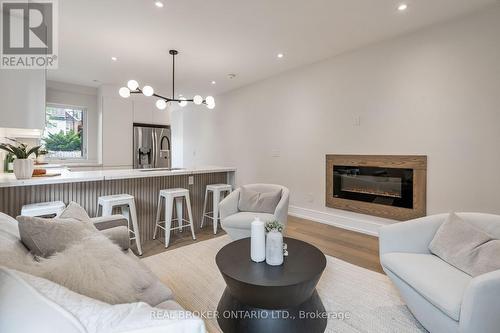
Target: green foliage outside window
(61, 141)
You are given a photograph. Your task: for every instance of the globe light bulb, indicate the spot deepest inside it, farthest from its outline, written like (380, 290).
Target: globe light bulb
(132, 85)
(210, 100)
(124, 92)
(211, 106)
(161, 104)
(197, 99)
(183, 102)
(148, 91)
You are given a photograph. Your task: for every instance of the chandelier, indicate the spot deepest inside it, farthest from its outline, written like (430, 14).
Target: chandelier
(133, 88)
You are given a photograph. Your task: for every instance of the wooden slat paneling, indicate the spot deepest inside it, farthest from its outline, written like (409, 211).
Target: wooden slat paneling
(145, 191)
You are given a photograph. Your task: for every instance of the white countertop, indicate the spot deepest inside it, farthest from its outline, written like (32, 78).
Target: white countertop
(9, 180)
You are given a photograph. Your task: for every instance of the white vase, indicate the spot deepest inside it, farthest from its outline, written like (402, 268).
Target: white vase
(274, 248)
(258, 241)
(23, 168)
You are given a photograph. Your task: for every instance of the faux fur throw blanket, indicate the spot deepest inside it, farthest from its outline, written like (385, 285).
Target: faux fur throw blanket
(94, 267)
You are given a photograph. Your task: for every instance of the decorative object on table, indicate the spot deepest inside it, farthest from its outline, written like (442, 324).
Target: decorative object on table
(23, 166)
(258, 241)
(40, 155)
(8, 166)
(274, 243)
(133, 88)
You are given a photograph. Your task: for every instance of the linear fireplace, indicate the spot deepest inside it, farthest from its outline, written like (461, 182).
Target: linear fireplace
(386, 186)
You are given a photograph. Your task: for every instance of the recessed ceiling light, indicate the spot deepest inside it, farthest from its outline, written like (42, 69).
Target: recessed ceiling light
(280, 55)
(402, 7)
(213, 82)
(159, 4)
(114, 58)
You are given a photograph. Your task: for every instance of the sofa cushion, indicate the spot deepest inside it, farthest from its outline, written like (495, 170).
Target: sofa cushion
(466, 247)
(253, 201)
(242, 220)
(438, 282)
(99, 317)
(44, 237)
(12, 251)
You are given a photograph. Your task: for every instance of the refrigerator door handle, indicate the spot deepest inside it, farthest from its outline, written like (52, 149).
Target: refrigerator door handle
(156, 152)
(153, 153)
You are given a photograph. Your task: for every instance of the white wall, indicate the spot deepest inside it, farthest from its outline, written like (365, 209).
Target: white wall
(435, 92)
(76, 95)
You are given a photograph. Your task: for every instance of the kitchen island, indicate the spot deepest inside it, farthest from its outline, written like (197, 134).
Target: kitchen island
(84, 187)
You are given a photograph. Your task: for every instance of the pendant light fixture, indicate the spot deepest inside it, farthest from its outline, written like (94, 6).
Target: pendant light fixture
(133, 88)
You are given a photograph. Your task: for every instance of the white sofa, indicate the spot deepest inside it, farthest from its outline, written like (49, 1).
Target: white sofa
(442, 298)
(237, 223)
(33, 304)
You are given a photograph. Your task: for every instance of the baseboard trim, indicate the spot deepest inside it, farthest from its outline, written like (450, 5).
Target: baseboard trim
(363, 225)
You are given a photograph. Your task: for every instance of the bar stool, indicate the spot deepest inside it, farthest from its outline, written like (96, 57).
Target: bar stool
(43, 209)
(126, 204)
(218, 191)
(169, 195)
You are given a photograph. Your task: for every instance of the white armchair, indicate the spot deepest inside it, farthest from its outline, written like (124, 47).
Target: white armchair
(443, 298)
(237, 223)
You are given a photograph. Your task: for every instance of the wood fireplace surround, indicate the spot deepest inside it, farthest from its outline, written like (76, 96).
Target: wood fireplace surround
(390, 186)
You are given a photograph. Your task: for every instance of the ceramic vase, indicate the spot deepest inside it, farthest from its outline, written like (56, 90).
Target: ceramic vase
(274, 248)
(257, 241)
(23, 168)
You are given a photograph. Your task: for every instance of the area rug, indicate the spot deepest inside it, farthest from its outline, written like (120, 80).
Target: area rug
(367, 298)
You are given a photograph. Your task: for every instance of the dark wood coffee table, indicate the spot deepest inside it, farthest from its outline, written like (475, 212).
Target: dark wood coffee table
(263, 298)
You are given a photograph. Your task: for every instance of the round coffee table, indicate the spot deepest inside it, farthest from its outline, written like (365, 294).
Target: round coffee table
(263, 298)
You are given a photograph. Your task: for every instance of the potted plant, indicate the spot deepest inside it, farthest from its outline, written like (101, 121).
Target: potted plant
(23, 166)
(274, 243)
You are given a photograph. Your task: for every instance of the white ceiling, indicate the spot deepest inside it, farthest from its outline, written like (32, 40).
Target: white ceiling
(218, 37)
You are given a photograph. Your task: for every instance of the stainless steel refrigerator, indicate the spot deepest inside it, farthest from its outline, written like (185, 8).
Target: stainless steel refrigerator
(152, 146)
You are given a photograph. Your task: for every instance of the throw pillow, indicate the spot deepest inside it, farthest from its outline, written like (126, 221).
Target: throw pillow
(75, 211)
(466, 247)
(44, 237)
(253, 201)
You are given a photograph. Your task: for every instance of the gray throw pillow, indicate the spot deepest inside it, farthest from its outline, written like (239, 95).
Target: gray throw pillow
(76, 212)
(44, 237)
(253, 201)
(466, 247)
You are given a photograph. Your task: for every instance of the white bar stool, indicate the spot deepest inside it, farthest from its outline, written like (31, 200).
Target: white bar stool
(169, 195)
(43, 209)
(218, 191)
(126, 204)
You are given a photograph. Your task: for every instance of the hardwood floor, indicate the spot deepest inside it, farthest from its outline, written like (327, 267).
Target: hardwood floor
(353, 247)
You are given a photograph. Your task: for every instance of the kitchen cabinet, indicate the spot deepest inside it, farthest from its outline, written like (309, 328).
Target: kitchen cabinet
(22, 96)
(117, 116)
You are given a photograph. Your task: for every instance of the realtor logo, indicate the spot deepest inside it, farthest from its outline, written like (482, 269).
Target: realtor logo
(29, 34)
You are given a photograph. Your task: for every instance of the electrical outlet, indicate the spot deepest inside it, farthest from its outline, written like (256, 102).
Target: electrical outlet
(310, 197)
(191, 180)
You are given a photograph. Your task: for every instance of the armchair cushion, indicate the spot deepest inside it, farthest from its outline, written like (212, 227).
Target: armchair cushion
(261, 202)
(240, 220)
(439, 283)
(466, 247)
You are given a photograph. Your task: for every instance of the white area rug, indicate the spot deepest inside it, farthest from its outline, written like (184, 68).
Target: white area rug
(369, 297)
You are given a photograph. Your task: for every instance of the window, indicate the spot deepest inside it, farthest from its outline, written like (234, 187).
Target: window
(64, 136)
